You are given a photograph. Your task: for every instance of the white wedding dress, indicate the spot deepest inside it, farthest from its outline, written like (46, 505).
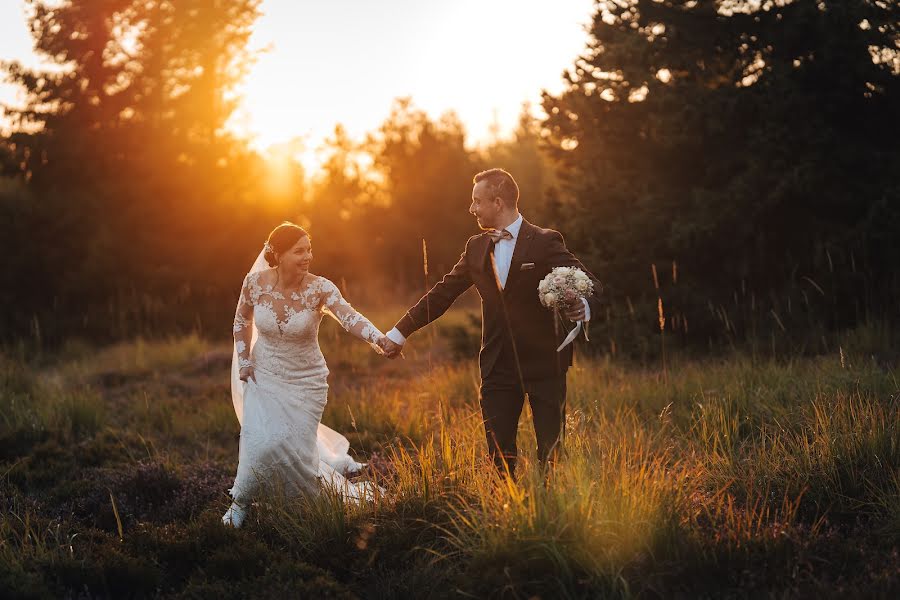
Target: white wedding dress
(282, 441)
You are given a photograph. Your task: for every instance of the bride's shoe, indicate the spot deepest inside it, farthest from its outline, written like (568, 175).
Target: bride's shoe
(234, 516)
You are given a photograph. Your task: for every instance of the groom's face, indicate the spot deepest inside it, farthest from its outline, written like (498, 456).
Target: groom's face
(485, 207)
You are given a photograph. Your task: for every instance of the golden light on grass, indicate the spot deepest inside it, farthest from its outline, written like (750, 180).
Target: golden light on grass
(662, 333)
(662, 315)
(121, 531)
(731, 461)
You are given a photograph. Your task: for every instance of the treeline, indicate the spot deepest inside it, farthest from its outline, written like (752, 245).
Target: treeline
(747, 151)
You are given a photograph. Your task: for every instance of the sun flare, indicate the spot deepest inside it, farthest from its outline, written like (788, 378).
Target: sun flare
(316, 68)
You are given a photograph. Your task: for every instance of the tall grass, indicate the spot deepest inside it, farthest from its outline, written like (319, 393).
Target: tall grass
(729, 462)
(729, 478)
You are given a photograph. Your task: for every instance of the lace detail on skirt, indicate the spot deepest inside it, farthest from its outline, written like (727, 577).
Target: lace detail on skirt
(282, 439)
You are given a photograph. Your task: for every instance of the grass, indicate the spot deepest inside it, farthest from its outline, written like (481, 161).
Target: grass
(733, 477)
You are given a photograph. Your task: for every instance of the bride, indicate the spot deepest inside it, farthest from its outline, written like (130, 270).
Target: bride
(279, 377)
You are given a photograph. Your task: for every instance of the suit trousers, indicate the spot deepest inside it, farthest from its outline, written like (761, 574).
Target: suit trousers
(503, 395)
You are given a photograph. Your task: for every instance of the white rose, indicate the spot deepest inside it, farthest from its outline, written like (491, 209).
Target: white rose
(581, 285)
(543, 285)
(549, 299)
(579, 274)
(562, 271)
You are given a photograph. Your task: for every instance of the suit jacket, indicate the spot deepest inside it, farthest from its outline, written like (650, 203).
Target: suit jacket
(515, 325)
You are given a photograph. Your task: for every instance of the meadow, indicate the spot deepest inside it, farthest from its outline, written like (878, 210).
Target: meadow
(729, 476)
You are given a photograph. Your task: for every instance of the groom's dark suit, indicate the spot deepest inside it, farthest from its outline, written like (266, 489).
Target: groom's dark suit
(519, 336)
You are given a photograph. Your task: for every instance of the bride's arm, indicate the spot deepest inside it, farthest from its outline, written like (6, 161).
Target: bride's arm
(243, 331)
(351, 320)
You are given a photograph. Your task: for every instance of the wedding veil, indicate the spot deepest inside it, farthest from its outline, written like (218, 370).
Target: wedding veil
(237, 386)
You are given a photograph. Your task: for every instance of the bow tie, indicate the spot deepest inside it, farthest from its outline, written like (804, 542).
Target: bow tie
(496, 235)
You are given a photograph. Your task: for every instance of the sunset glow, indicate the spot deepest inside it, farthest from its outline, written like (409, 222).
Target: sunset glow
(346, 61)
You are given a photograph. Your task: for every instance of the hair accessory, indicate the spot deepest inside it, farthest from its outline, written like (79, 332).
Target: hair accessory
(267, 247)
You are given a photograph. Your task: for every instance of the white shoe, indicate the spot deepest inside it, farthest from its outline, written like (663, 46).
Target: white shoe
(234, 516)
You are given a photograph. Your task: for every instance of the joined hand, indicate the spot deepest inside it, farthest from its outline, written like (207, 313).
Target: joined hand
(390, 348)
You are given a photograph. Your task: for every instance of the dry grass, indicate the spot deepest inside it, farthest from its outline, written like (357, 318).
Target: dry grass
(734, 478)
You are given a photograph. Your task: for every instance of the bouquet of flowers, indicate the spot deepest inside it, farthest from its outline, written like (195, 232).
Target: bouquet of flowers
(560, 289)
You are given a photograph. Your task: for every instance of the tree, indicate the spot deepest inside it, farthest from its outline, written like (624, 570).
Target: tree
(526, 158)
(425, 172)
(747, 141)
(138, 186)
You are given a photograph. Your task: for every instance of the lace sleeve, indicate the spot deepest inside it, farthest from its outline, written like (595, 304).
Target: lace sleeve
(243, 323)
(352, 321)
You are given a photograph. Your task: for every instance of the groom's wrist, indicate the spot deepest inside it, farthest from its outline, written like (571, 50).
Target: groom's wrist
(395, 336)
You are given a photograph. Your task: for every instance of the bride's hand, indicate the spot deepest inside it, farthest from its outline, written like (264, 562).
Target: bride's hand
(247, 373)
(386, 346)
(389, 348)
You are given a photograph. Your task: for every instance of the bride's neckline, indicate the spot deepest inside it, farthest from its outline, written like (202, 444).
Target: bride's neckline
(293, 288)
(286, 295)
(270, 285)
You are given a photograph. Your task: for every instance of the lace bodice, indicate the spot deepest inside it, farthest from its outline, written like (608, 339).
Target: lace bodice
(288, 324)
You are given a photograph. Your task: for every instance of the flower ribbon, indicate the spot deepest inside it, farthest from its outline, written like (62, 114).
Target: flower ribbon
(574, 334)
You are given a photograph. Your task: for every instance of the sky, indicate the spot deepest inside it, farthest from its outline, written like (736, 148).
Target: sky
(345, 61)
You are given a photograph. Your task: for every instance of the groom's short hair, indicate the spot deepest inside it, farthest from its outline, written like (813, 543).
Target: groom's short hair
(500, 184)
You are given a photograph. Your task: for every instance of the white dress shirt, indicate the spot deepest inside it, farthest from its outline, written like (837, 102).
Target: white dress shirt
(503, 253)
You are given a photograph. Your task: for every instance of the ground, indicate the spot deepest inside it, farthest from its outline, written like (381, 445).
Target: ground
(729, 476)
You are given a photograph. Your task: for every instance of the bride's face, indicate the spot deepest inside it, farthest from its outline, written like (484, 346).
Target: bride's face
(297, 258)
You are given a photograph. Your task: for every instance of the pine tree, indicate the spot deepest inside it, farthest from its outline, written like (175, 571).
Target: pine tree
(747, 141)
(138, 186)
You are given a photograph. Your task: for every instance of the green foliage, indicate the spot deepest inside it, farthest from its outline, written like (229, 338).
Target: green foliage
(748, 148)
(134, 195)
(524, 155)
(407, 182)
(753, 146)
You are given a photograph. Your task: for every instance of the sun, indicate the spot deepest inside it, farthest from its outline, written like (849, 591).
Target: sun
(317, 66)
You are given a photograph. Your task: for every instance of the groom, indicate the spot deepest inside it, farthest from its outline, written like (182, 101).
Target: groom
(519, 336)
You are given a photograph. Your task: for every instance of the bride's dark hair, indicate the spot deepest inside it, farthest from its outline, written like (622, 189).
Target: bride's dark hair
(282, 239)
